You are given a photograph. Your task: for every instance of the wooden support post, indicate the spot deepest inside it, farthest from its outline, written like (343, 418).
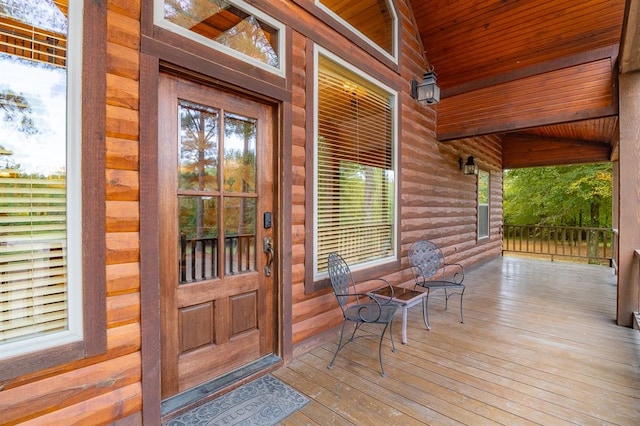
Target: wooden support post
(628, 185)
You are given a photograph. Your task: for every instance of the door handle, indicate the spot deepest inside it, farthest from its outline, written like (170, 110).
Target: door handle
(267, 247)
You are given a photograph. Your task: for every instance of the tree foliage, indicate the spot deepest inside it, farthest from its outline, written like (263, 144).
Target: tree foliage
(576, 195)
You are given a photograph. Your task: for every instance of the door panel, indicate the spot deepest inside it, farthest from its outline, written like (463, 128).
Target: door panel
(215, 180)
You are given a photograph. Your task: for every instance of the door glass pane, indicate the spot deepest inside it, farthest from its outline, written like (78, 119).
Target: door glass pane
(239, 154)
(198, 147)
(240, 235)
(198, 228)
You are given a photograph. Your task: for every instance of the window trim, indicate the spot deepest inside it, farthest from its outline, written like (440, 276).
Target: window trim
(93, 284)
(320, 280)
(158, 20)
(488, 205)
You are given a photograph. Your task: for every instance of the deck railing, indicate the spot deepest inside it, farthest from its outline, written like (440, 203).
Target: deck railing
(594, 245)
(199, 258)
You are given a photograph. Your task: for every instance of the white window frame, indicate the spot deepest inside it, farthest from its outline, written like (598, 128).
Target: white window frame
(158, 18)
(394, 43)
(75, 330)
(394, 121)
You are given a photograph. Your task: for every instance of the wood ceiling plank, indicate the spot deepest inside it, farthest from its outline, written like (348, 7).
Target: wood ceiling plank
(490, 37)
(609, 53)
(570, 94)
(520, 151)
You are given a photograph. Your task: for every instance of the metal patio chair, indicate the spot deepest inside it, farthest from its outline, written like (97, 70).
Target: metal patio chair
(430, 271)
(359, 308)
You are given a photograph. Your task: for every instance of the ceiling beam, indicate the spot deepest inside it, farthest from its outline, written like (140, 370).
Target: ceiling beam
(540, 68)
(519, 151)
(579, 92)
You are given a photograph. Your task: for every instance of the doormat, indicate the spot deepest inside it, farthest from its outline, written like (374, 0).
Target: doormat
(264, 401)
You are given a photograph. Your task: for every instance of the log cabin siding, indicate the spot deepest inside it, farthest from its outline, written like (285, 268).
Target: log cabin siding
(436, 202)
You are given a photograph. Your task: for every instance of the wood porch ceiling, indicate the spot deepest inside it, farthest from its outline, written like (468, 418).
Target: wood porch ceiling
(536, 71)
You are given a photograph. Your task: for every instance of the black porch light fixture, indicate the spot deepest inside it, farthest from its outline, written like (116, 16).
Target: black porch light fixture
(468, 168)
(426, 92)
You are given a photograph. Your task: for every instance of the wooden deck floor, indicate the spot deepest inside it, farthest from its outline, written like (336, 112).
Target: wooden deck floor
(539, 346)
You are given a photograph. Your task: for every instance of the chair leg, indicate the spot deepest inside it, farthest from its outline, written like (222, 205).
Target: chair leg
(393, 345)
(446, 299)
(461, 316)
(425, 310)
(380, 349)
(358, 324)
(330, 366)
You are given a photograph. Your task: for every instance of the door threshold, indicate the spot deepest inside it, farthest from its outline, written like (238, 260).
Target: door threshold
(207, 391)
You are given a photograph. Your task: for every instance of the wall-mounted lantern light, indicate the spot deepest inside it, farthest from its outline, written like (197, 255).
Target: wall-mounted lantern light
(468, 168)
(426, 92)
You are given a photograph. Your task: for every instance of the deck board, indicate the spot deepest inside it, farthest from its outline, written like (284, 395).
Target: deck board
(539, 346)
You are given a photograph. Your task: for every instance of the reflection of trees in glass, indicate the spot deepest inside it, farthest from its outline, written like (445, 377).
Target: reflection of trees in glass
(240, 169)
(200, 168)
(17, 111)
(239, 216)
(198, 146)
(42, 14)
(32, 113)
(240, 164)
(9, 164)
(221, 21)
(198, 154)
(188, 13)
(18, 114)
(250, 38)
(198, 225)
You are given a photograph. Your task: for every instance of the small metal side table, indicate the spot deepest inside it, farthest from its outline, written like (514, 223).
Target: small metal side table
(403, 297)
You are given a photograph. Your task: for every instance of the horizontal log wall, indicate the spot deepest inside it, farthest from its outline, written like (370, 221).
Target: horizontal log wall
(107, 388)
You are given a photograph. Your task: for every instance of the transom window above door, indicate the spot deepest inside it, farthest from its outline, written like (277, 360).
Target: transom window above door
(232, 27)
(374, 20)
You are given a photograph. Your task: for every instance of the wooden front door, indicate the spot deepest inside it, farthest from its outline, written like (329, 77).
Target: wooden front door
(216, 194)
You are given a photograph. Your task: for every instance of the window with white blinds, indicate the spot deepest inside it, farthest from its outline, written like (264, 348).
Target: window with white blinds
(40, 306)
(483, 204)
(33, 254)
(355, 211)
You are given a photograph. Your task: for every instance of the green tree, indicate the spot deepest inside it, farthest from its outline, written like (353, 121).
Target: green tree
(576, 195)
